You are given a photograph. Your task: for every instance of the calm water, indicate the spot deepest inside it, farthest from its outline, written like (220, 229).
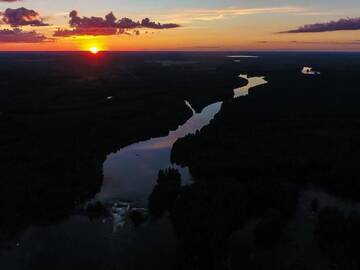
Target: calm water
(129, 175)
(244, 91)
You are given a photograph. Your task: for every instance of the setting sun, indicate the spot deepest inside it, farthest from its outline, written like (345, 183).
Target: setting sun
(94, 50)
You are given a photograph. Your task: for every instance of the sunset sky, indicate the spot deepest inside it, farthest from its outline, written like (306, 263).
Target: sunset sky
(190, 25)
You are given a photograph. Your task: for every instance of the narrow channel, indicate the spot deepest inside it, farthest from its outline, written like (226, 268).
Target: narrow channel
(130, 174)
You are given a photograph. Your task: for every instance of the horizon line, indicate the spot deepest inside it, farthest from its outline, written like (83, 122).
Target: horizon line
(179, 51)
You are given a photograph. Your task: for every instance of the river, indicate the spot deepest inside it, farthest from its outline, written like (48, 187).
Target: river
(129, 175)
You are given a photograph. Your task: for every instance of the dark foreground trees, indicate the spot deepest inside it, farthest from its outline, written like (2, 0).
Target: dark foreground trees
(165, 192)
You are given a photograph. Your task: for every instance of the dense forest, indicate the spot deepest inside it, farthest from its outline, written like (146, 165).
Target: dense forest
(256, 168)
(255, 157)
(62, 114)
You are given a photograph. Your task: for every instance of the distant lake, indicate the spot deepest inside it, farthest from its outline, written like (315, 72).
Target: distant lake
(243, 56)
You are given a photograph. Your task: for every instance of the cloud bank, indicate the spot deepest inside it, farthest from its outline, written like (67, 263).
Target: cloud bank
(340, 25)
(22, 17)
(110, 25)
(17, 35)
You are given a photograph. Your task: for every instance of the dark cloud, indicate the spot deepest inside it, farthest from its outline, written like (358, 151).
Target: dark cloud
(109, 25)
(21, 17)
(10, 1)
(342, 24)
(126, 23)
(147, 23)
(92, 22)
(19, 36)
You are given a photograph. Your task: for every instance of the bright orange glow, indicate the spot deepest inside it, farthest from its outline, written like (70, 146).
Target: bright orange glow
(217, 38)
(94, 50)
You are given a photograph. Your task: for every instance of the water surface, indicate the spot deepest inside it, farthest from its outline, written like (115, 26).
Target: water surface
(244, 91)
(130, 174)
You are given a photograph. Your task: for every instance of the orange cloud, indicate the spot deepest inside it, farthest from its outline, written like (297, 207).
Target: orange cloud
(98, 26)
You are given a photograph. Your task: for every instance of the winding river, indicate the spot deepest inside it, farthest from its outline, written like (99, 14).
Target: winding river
(130, 174)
